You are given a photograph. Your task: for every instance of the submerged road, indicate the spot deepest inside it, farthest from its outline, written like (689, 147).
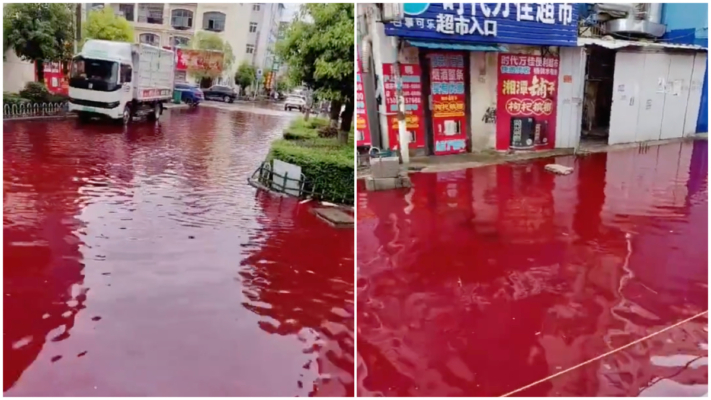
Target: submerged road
(139, 262)
(482, 281)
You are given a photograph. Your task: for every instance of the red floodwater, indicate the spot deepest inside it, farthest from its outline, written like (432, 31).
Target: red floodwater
(480, 282)
(140, 263)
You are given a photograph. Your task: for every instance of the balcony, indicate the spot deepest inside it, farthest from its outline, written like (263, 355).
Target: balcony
(151, 14)
(125, 10)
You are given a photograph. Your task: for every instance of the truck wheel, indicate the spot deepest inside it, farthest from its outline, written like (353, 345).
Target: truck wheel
(227, 99)
(127, 115)
(83, 117)
(155, 114)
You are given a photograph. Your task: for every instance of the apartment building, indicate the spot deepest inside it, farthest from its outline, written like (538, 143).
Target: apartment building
(263, 33)
(247, 27)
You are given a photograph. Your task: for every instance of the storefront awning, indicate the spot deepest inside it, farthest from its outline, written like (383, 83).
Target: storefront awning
(611, 43)
(457, 46)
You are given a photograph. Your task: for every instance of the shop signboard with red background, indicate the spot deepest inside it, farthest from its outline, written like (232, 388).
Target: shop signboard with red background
(198, 59)
(412, 90)
(362, 128)
(448, 103)
(527, 91)
(54, 78)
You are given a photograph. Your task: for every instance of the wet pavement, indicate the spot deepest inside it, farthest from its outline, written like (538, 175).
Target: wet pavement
(482, 281)
(139, 262)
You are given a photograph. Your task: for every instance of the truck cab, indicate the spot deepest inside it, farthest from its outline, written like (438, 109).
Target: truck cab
(119, 80)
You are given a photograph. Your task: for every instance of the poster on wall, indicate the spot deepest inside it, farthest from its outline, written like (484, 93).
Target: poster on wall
(362, 128)
(412, 90)
(526, 102)
(448, 103)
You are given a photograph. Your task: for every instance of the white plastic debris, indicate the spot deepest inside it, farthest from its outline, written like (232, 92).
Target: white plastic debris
(559, 169)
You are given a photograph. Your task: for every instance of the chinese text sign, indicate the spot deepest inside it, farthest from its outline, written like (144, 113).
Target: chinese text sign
(553, 24)
(362, 128)
(527, 87)
(448, 103)
(412, 91)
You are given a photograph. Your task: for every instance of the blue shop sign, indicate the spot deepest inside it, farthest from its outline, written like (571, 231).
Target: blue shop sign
(537, 24)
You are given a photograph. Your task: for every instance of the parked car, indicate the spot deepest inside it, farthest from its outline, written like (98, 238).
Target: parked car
(189, 94)
(295, 102)
(221, 93)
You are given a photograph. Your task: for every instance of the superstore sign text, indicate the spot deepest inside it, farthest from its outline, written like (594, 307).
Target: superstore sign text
(480, 18)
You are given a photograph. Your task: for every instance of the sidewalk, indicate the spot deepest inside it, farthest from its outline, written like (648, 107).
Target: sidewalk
(434, 164)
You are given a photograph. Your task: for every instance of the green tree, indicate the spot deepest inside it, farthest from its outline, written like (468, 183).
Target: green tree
(319, 47)
(105, 25)
(245, 76)
(211, 41)
(39, 32)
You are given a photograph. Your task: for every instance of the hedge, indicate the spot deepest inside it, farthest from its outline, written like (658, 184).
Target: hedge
(326, 164)
(34, 92)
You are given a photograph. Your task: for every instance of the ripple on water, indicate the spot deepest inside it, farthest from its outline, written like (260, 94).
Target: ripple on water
(130, 251)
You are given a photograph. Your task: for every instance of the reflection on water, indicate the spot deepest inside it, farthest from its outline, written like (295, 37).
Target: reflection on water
(479, 282)
(138, 262)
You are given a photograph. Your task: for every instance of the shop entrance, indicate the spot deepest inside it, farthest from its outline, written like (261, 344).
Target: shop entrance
(597, 98)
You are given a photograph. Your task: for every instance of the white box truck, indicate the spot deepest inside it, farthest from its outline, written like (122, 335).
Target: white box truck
(120, 80)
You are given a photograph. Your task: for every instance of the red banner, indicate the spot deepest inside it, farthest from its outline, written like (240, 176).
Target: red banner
(362, 128)
(199, 59)
(526, 101)
(448, 103)
(412, 90)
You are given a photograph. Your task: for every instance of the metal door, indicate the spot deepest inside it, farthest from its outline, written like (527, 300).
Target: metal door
(695, 88)
(651, 96)
(571, 84)
(625, 97)
(677, 95)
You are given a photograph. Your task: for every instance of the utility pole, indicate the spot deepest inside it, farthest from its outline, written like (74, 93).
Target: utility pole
(77, 40)
(403, 136)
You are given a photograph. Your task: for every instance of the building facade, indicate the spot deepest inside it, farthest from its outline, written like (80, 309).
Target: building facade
(247, 27)
(475, 76)
(499, 76)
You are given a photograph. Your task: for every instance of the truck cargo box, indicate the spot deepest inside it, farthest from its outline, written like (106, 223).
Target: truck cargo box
(155, 73)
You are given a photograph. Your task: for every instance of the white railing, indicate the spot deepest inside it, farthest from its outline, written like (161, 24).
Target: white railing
(33, 110)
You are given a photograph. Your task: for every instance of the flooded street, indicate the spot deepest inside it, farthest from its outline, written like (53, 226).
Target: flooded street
(482, 281)
(139, 262)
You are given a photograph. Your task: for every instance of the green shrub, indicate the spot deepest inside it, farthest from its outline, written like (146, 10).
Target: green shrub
(300, 129)
(329, 174)
(12, 99)
(35, 92)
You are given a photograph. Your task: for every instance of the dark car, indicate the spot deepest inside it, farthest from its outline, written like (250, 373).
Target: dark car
(221, 93)
(189, 94)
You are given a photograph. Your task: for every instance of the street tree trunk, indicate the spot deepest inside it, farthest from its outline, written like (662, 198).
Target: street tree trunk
(39, 69)
(346, 122)
(77, 40)
(334, 114)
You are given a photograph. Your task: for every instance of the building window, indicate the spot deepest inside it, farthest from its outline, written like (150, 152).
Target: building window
(180, 41)
(150, 13)
(181, 19)
(250, 49)
(213, 21)
(126, 11)
(252, 27)
(255, 7)
(149, 38)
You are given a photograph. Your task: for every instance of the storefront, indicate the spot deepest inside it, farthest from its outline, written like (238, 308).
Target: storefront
(478, 76)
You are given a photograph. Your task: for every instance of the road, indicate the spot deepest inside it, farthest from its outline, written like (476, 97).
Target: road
(139, 262)
(482, 281)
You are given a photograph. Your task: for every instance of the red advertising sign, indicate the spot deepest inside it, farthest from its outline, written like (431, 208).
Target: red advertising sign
(412, 90)
(448, 103)
(54, 79)
(199, 59)
(526, 101)
(362, 129)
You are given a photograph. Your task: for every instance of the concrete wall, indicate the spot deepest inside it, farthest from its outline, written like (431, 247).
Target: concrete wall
(16, 73)
(484, 74)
